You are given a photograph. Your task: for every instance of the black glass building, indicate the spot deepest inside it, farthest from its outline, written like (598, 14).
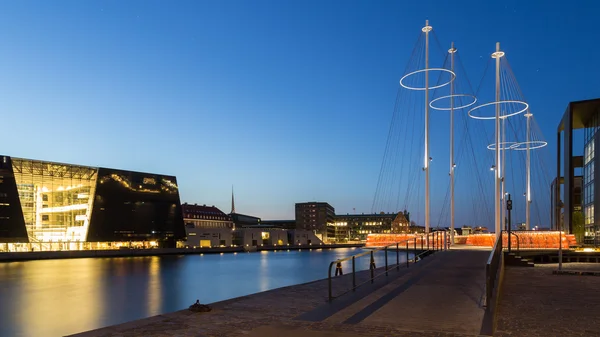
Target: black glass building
(61, 206)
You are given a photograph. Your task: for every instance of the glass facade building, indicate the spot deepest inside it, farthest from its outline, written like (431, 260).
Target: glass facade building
(53, 206)
(569, 197)
(590, 134)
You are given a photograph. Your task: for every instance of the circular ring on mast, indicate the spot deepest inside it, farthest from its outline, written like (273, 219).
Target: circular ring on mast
(456, 107)
(502, 115)
(533, 144)
(503, 146)
(427, 70)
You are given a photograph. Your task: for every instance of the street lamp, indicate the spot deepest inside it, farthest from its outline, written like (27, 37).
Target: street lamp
(559, 227)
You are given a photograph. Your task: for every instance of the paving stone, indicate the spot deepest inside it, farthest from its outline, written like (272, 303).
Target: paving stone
(534, 302)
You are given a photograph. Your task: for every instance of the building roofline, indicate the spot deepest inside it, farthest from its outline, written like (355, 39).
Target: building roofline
(579, 111)
(86, 166)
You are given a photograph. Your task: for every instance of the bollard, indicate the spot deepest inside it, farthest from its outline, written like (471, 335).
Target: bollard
(386, 262)
(338, 269)
(353, 274)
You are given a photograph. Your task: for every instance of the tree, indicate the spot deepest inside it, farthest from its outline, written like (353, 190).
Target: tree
(578, 226)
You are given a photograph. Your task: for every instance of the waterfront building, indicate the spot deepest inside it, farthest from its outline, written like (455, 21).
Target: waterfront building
(202, 216)
(317, 217)
(578, 115)
(243, 220)
(262, 237)
(356, 227)
(282, 224)
(202, 237)
(577, 197)
(303, 237)
(53, 206)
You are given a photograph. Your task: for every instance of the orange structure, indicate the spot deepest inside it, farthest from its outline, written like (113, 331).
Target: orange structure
(382, 240)
(525, 240)
(521, 239)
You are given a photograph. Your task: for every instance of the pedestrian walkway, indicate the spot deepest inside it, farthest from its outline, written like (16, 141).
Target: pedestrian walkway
(443, 295)
(534, 302)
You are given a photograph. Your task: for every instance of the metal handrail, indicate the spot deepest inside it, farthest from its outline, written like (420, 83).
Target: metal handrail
(518, 240)
(396, 245)
(491, 269)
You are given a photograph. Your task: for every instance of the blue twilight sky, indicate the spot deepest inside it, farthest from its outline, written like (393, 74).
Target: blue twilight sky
(288, 101)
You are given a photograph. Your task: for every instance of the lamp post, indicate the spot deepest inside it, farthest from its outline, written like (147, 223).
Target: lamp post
(509, 209)
(559, 225)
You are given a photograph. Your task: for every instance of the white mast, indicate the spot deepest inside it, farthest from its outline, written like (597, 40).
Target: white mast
(497, 202)
(502, 174)
(528, 168)
(452, 51)
(426, 29)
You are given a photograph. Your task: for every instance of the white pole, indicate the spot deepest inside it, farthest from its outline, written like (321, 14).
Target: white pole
(426, 29)
(452, 51)
(528, 169)
(497, 200)
(502, 174)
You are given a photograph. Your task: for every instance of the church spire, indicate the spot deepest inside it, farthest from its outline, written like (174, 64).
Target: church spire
(232, 201)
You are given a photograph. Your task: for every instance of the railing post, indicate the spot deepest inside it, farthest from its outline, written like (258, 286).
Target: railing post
(386, 261)
(372, 267)
(329, 280)
(397, 256)
(353, 274)
(407, 260)
(415, 249)
(488, 290)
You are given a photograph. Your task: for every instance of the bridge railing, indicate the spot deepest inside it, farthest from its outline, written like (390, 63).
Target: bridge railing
(424, 244)
(494, 265)
(510, 240)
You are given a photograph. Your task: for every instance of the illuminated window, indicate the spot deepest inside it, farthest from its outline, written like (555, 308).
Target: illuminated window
(55, 199)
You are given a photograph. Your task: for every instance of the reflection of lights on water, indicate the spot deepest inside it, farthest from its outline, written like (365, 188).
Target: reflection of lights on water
(154, 287)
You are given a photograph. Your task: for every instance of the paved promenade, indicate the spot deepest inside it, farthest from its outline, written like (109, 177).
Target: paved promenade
(440, 296)
(534, 302)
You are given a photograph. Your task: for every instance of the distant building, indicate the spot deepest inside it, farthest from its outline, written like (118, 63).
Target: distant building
(202, 216)
(401, 223)
(245, 221)
(281, 224)
(315, 216)
(577, 198)
(356, 227)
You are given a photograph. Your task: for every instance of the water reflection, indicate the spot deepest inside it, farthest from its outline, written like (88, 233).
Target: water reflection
(60, 297)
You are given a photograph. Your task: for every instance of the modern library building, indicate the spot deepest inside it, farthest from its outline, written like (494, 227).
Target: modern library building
(47, 206)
